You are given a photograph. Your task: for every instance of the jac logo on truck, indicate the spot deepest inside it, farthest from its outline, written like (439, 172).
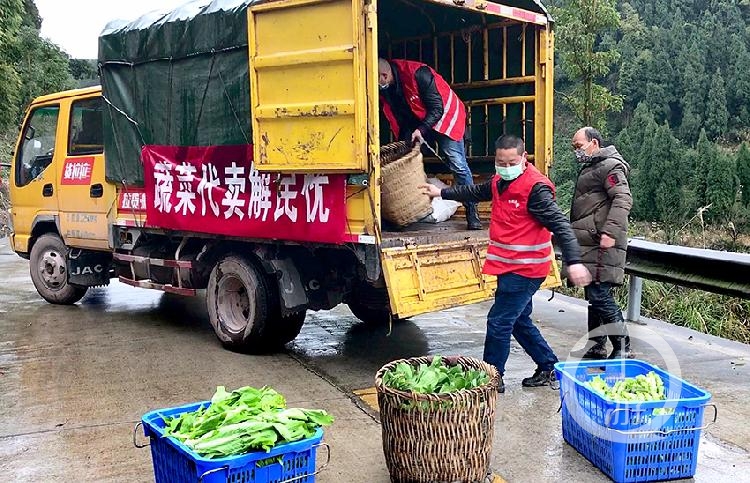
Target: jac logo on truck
(77, 171)
(87, 270)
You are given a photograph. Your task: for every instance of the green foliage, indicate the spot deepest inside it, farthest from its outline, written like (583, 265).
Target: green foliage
(29, 65)
(743, 172)
(717, 115)
(82, 69)
(435, 378)
(583, 58)
(721, 187)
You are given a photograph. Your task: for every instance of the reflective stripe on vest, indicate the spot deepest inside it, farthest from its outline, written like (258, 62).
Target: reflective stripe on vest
(518, 261)
(519, 248)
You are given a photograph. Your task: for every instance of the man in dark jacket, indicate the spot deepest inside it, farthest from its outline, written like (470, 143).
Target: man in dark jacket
(599, 216)
(421, 107)
(524, 212)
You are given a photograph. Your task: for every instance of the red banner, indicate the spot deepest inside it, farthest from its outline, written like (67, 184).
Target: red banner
(216, 189)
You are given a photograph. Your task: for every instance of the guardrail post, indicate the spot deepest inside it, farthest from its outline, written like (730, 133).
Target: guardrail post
(634, 299)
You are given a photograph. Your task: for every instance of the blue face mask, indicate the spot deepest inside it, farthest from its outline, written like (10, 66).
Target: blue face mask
(509, 173)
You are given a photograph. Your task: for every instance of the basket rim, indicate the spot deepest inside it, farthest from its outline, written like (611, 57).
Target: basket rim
(443, 396)
(564, 370)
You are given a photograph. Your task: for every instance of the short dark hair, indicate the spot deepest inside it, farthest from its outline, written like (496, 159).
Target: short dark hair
(592, 134)
(509, 141)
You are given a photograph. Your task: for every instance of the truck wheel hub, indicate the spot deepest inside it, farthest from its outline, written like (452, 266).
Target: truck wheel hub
(52, 269)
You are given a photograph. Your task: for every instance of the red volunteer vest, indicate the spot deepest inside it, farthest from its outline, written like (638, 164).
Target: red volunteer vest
(453, 122)
(518, 243)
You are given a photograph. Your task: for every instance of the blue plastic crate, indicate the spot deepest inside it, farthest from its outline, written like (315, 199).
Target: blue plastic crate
(628, 441)
(176, 463)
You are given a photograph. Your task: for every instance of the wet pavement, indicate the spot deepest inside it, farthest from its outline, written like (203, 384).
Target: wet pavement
(75, 380)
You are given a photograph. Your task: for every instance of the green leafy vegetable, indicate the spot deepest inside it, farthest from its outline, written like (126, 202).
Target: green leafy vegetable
(435, 378)
(246, 419)
(641, 388)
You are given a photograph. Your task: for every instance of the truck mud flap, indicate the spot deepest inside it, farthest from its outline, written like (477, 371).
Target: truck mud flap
(88, 268)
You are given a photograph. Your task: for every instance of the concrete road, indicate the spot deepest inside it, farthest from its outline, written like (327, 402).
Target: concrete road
(75, 380)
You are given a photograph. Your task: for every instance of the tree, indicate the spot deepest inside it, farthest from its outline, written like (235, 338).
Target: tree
(10, 22)
(740, 88)
(743, 172)
(721, 187)
(706, 152)
(581, 23)
(81, 69)
(666, 172)
(717, 115)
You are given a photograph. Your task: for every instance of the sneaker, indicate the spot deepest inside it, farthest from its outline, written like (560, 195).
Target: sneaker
(540, 378)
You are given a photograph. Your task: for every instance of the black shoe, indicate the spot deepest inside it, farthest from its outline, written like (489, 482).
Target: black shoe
(589, 351)
(472, 217)
(540, 378)
(621, 348)
(501, 386)
(474, 225)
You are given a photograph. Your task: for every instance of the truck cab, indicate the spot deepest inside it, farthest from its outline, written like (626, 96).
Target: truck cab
(60, 198)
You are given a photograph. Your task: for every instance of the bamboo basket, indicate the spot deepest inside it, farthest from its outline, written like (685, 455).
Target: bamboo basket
(401, 173)
(431, 438)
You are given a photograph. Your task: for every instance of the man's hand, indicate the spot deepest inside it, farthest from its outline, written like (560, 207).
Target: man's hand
(606, 241)
(416, 137)
(579, 275)
(430, 190)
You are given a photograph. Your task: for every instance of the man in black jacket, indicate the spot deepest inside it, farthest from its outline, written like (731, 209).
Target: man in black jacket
(421, 107)
(524, 212)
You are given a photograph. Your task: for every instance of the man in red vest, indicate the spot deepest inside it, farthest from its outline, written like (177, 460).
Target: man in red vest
(524, 212)
(420, 106)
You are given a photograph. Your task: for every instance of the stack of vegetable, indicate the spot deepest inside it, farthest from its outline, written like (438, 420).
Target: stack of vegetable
(244, 420)
(435, 378)
(641, 388)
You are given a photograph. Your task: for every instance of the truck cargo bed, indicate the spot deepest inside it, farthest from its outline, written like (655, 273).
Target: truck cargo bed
(453, 230)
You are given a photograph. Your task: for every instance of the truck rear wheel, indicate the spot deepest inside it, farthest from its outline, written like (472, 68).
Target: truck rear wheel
(371, 305)
(48, 266)
(244, 310)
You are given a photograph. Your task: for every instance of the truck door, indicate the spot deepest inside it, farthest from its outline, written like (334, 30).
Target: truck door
(33, 194)
(308, 86)
(85, 196)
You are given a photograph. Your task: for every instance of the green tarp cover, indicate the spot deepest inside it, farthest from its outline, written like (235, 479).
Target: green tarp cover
(177, 78)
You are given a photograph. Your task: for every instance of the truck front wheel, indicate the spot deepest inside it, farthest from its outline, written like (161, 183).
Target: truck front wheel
(48, 265)
(243, 308)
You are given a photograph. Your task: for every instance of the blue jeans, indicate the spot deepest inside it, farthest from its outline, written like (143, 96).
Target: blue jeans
(511, 315)
(455, 152)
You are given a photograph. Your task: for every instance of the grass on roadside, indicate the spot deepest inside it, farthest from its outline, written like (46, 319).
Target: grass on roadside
(719, 315)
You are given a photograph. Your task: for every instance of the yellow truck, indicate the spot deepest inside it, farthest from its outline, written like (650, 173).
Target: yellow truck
(234, 147)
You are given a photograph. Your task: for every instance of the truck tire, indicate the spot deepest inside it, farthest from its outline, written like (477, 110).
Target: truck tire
(372, 315)
(49, 271)
(371, 305)
(243, 308)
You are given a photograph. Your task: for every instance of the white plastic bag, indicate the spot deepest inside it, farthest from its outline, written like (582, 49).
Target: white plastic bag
(442, 209)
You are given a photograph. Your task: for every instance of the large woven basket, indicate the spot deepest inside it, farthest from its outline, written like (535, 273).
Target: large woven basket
(401, 172)
(438, 437)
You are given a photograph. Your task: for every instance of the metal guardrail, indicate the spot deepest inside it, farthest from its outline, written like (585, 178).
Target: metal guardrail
(725, 273)
(714, 271)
